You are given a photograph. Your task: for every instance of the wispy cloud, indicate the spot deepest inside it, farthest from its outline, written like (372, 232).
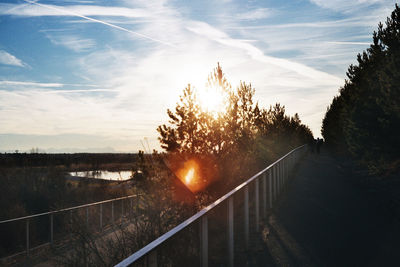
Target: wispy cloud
(345, 5)
(204, 29)
(37, 9)
(41, 85)
(349, 43)
(81, 12)
(72, 42)
(255, 14)
(77, 91)
(8, 59)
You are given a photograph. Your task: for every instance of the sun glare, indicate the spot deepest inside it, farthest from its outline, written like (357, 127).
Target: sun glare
(189, 176)
(211, 100)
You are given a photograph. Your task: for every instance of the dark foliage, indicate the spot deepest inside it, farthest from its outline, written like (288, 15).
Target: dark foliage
(364, 119)
(10, 160)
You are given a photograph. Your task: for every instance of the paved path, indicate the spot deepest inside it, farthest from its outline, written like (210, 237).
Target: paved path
(325, 219)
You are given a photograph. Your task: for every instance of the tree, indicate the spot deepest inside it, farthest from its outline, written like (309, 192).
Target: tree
(186, 131)
(365, 117)
(241, 135)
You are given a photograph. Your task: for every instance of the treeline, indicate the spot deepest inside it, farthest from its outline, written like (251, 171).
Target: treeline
(232, 143)
(364, 119)
(10, 160)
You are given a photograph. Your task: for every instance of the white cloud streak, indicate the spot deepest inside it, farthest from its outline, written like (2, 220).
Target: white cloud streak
(255, 14)
(42, 85)
(39, 10)
(349, 43)
(72, 42)
(8, 59)
(83, 12)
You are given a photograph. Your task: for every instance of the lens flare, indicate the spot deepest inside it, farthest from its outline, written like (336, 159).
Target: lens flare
(189, 176)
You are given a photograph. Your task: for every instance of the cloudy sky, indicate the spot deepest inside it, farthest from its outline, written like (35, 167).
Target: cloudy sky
(83, 75)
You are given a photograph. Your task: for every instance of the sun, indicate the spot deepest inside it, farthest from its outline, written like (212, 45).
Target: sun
(211, 100)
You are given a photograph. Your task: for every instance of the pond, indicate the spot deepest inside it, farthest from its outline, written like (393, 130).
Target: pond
(106, 175)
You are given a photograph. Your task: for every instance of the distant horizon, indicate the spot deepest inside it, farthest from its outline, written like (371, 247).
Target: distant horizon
(98, 75)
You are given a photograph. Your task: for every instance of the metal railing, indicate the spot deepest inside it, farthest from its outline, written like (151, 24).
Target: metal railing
(89, 215)
(273, 179)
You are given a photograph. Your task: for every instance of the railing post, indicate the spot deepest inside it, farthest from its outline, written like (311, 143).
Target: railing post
(279, 179)
(122, 208)
(101, 217)
(286, 169)
(131, 208)
(204, 241)
(87, 217)
(257, 200)
(270, 186)
(27, 237)
(246, 216)
(112, 211)
(281, 176)
(264, 192)
(230, 232)
(70, 223)
(275, 180)
(152, 259)
(51, 228)
(282, 173)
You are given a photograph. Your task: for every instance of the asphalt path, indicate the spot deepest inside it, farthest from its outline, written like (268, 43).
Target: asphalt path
(332, 220)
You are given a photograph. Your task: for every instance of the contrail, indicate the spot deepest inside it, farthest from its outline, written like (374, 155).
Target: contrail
(18, 6)
(100, 21)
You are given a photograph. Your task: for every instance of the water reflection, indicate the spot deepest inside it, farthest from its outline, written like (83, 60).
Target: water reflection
(106, 175)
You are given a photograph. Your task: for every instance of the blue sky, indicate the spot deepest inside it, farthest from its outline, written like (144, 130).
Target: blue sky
(83, 75)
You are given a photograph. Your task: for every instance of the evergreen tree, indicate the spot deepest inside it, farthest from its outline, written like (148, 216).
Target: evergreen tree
(365, 117)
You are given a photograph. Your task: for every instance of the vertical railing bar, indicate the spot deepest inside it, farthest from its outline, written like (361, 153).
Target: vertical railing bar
(246, 216)
(87, 217)
(230, 232)
(282, 174)
(270, 175)
(204, 241)
(70, 223)
(285, 171)
(131, 208)
(101, 217)
(257, 204)
(51, 228)
(122, 209)
(275, 180)
(112, 211)
(27, 237)
(279, 179)
(285, 166)
(264, 192)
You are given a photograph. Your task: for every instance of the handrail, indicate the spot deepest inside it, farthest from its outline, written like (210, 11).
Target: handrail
(67, 209)
(154, 244)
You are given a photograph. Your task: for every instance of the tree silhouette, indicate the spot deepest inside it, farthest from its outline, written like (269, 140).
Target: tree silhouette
(365, 118)
(241, 135)
(186, 130)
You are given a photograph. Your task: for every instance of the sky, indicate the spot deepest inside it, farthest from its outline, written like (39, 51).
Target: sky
(98, 76)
